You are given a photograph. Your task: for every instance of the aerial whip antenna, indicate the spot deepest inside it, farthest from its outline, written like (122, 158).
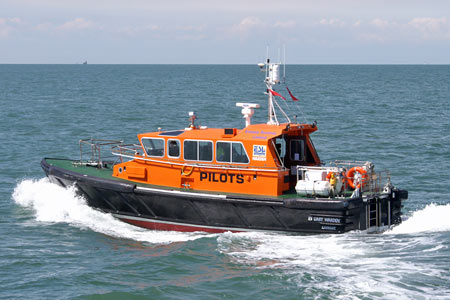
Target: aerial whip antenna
(284, 63)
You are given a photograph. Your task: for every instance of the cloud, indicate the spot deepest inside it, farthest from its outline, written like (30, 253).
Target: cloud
(247, 24)
(371, 37)
(431, 28)
(9, 25)
(332, 22)
(382, 24)
(152, 27)
(190, 32)
(77, 24)
(357, 23)
(135, 30)
(15, 20)
(416, 30)
(286, 24)
(253, 25)
(4, 29)
(245, 27)
(44, 26)
(429, 24)
(177, 32)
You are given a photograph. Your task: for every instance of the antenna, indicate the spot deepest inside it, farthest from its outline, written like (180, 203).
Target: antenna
(273, 74)
(272, 78)
(284, 63)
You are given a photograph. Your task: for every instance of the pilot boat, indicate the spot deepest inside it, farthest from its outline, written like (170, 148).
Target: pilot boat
(263, 177)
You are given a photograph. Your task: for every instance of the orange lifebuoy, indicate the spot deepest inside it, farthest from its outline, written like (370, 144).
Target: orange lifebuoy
(351, 173)
(188, 173)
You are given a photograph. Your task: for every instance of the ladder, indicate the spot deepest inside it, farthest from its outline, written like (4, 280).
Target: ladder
(372, 215)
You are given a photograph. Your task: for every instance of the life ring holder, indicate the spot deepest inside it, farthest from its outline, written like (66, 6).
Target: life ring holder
(188, 173)
(350, 176)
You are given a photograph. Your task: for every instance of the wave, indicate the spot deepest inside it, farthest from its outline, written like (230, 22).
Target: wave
(355, 265)
(432, 218)
(54, 204)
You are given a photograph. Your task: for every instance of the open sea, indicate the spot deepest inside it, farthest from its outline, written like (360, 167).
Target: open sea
(53, 246)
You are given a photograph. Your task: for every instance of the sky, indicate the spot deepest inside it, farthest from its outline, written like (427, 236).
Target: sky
(224, 32)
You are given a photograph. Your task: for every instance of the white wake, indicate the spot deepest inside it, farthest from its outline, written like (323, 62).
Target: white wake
(54, 204)
(348, 266)
(355, 265)
(432, 218)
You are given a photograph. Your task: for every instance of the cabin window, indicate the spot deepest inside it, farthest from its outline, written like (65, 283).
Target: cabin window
(190, 150)
(310, 149)
(297, 150)
(173, 147)
(153, 146)
(198, 150)
(231, 152)
(205, 151)
(238, 154)
(280, 145)
(223, 152)
(280, 149)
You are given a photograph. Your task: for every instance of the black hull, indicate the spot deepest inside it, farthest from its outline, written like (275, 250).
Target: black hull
(184, 210)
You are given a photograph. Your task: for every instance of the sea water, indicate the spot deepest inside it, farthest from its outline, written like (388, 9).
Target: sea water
(55, 247)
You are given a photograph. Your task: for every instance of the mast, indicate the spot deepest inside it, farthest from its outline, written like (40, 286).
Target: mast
(272, 78)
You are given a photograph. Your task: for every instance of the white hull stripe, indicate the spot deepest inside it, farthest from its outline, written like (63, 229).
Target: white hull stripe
(202, 195)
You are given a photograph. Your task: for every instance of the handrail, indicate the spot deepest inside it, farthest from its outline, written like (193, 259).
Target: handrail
(349, 163)
(374, 184)
(96, 146)
(211, 166)
(127, 150)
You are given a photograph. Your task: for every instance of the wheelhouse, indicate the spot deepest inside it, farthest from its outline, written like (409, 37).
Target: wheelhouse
(265, 155)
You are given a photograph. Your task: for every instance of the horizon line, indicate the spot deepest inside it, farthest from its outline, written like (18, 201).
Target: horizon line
(231, 64)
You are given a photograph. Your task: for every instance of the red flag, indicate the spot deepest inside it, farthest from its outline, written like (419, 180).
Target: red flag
(276, 94)
(292, 96)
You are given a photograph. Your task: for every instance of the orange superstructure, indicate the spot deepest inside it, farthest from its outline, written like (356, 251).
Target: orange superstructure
(260, 159)
(257, 160)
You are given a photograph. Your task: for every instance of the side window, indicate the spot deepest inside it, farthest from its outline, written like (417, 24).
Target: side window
(205, 151)
(198, 150)
(153, 146)
(239, 155)
(231, 152)
(280, 144)
(190, 150)
(173, 148)
(223, 151)
(297, 152)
